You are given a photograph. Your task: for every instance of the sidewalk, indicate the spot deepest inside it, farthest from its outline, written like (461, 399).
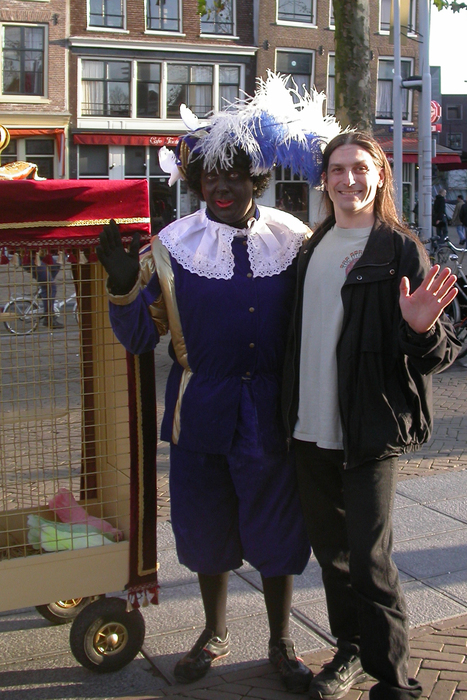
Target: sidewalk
(430, 551)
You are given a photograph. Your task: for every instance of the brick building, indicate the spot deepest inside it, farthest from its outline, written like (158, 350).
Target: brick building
(34, 82)
(131, 66)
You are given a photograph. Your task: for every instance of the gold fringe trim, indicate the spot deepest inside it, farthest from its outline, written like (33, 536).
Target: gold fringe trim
(69, 224)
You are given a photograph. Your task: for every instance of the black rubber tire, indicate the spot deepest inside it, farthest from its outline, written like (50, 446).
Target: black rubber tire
(104, 637)
(63, 611)
(461, 332)
(453, 311)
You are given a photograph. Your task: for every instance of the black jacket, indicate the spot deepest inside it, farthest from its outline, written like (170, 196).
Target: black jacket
(384, 368)
(463, 214)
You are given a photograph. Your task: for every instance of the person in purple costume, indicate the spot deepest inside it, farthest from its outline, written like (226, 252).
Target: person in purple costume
(222, 280)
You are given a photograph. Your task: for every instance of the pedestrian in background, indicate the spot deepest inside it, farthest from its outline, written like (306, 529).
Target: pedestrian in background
(440, 219)
(456, 221)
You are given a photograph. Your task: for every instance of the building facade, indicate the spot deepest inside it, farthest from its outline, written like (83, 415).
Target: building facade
(34, 83)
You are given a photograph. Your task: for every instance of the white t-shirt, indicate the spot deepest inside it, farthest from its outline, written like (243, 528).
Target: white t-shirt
(323, 312)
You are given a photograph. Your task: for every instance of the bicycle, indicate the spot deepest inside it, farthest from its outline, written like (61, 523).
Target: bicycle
(23, 313)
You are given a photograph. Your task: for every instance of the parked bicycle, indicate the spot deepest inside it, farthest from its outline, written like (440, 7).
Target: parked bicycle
(21, 315)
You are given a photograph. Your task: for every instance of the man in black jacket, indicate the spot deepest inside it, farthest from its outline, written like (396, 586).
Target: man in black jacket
(357, 394)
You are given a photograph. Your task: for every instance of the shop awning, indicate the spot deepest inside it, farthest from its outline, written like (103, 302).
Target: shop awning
(444, 156)
(125, 140)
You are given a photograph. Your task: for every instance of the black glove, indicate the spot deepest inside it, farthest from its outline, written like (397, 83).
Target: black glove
(122, 267)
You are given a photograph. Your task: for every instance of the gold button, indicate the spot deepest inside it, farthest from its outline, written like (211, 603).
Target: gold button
(250, 274)
(252, 345)
(251, 309)
(248, 374)
(244, 243)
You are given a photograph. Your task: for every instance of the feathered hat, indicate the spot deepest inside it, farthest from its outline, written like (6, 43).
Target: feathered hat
(277, 126)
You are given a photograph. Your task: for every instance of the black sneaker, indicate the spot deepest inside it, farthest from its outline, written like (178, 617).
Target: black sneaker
(338, 677)
(198, 661)
(295, 675)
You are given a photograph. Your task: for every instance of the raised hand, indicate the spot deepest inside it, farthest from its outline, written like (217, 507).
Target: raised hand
(422, 309)
(121, 266)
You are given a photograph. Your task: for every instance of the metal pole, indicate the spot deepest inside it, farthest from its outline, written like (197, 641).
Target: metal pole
(397, 109)
(424, 122)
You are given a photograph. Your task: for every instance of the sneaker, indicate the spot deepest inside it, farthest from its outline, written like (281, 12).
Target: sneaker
(338, 677)
(198, 661)
(295, 675)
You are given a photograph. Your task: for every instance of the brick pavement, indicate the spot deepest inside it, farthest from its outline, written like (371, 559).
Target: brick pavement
(438, 651)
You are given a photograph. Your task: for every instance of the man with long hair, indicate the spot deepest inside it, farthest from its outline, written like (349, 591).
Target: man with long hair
(367, 335)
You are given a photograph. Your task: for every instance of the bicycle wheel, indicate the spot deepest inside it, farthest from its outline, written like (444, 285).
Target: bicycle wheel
(442, 255)
(23, 316)
(461, 333)
(453, 311)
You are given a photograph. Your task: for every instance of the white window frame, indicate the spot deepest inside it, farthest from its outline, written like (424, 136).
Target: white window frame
(164, 32)
(309, 52)
(291, 23)
(163, 86)
(331, 55)
(384, 120)
(119, 30)
(413, 18)
(26, 99)
(220, 36)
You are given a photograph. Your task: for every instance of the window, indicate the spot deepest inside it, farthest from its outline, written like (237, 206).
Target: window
(332, 22)
(218, 17)
(191, 85)
(155, 90)
(9, 154)
(106, 13)
(296, 11)
(93, 161)
(229, 82)
(23, 60)
(455, 141)
(135, 161)
(41, 152)
(331, 88)
(384, 89)
(297, 65)
(148, 90)
(407, 16)
(163, 15)
(106, 88)
(292, 193)
(454, 111)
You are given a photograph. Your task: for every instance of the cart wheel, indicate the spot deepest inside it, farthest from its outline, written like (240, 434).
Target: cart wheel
(63, 611)
(105, 637)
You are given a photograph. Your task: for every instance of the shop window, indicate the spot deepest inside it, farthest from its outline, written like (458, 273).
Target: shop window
(41, 152)
(23, 60)
(93, 161)
(106, 13)
(135, 161)
(106, 88)
(229, 82)
(296, 11)
(9, 154)
(217, 17)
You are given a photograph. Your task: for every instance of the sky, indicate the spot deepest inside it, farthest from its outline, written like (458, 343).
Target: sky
(448, 49)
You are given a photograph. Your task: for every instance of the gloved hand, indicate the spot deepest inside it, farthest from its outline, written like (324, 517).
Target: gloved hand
(122, 267)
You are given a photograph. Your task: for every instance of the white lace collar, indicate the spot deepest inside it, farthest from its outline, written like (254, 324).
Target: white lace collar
(204, 246)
